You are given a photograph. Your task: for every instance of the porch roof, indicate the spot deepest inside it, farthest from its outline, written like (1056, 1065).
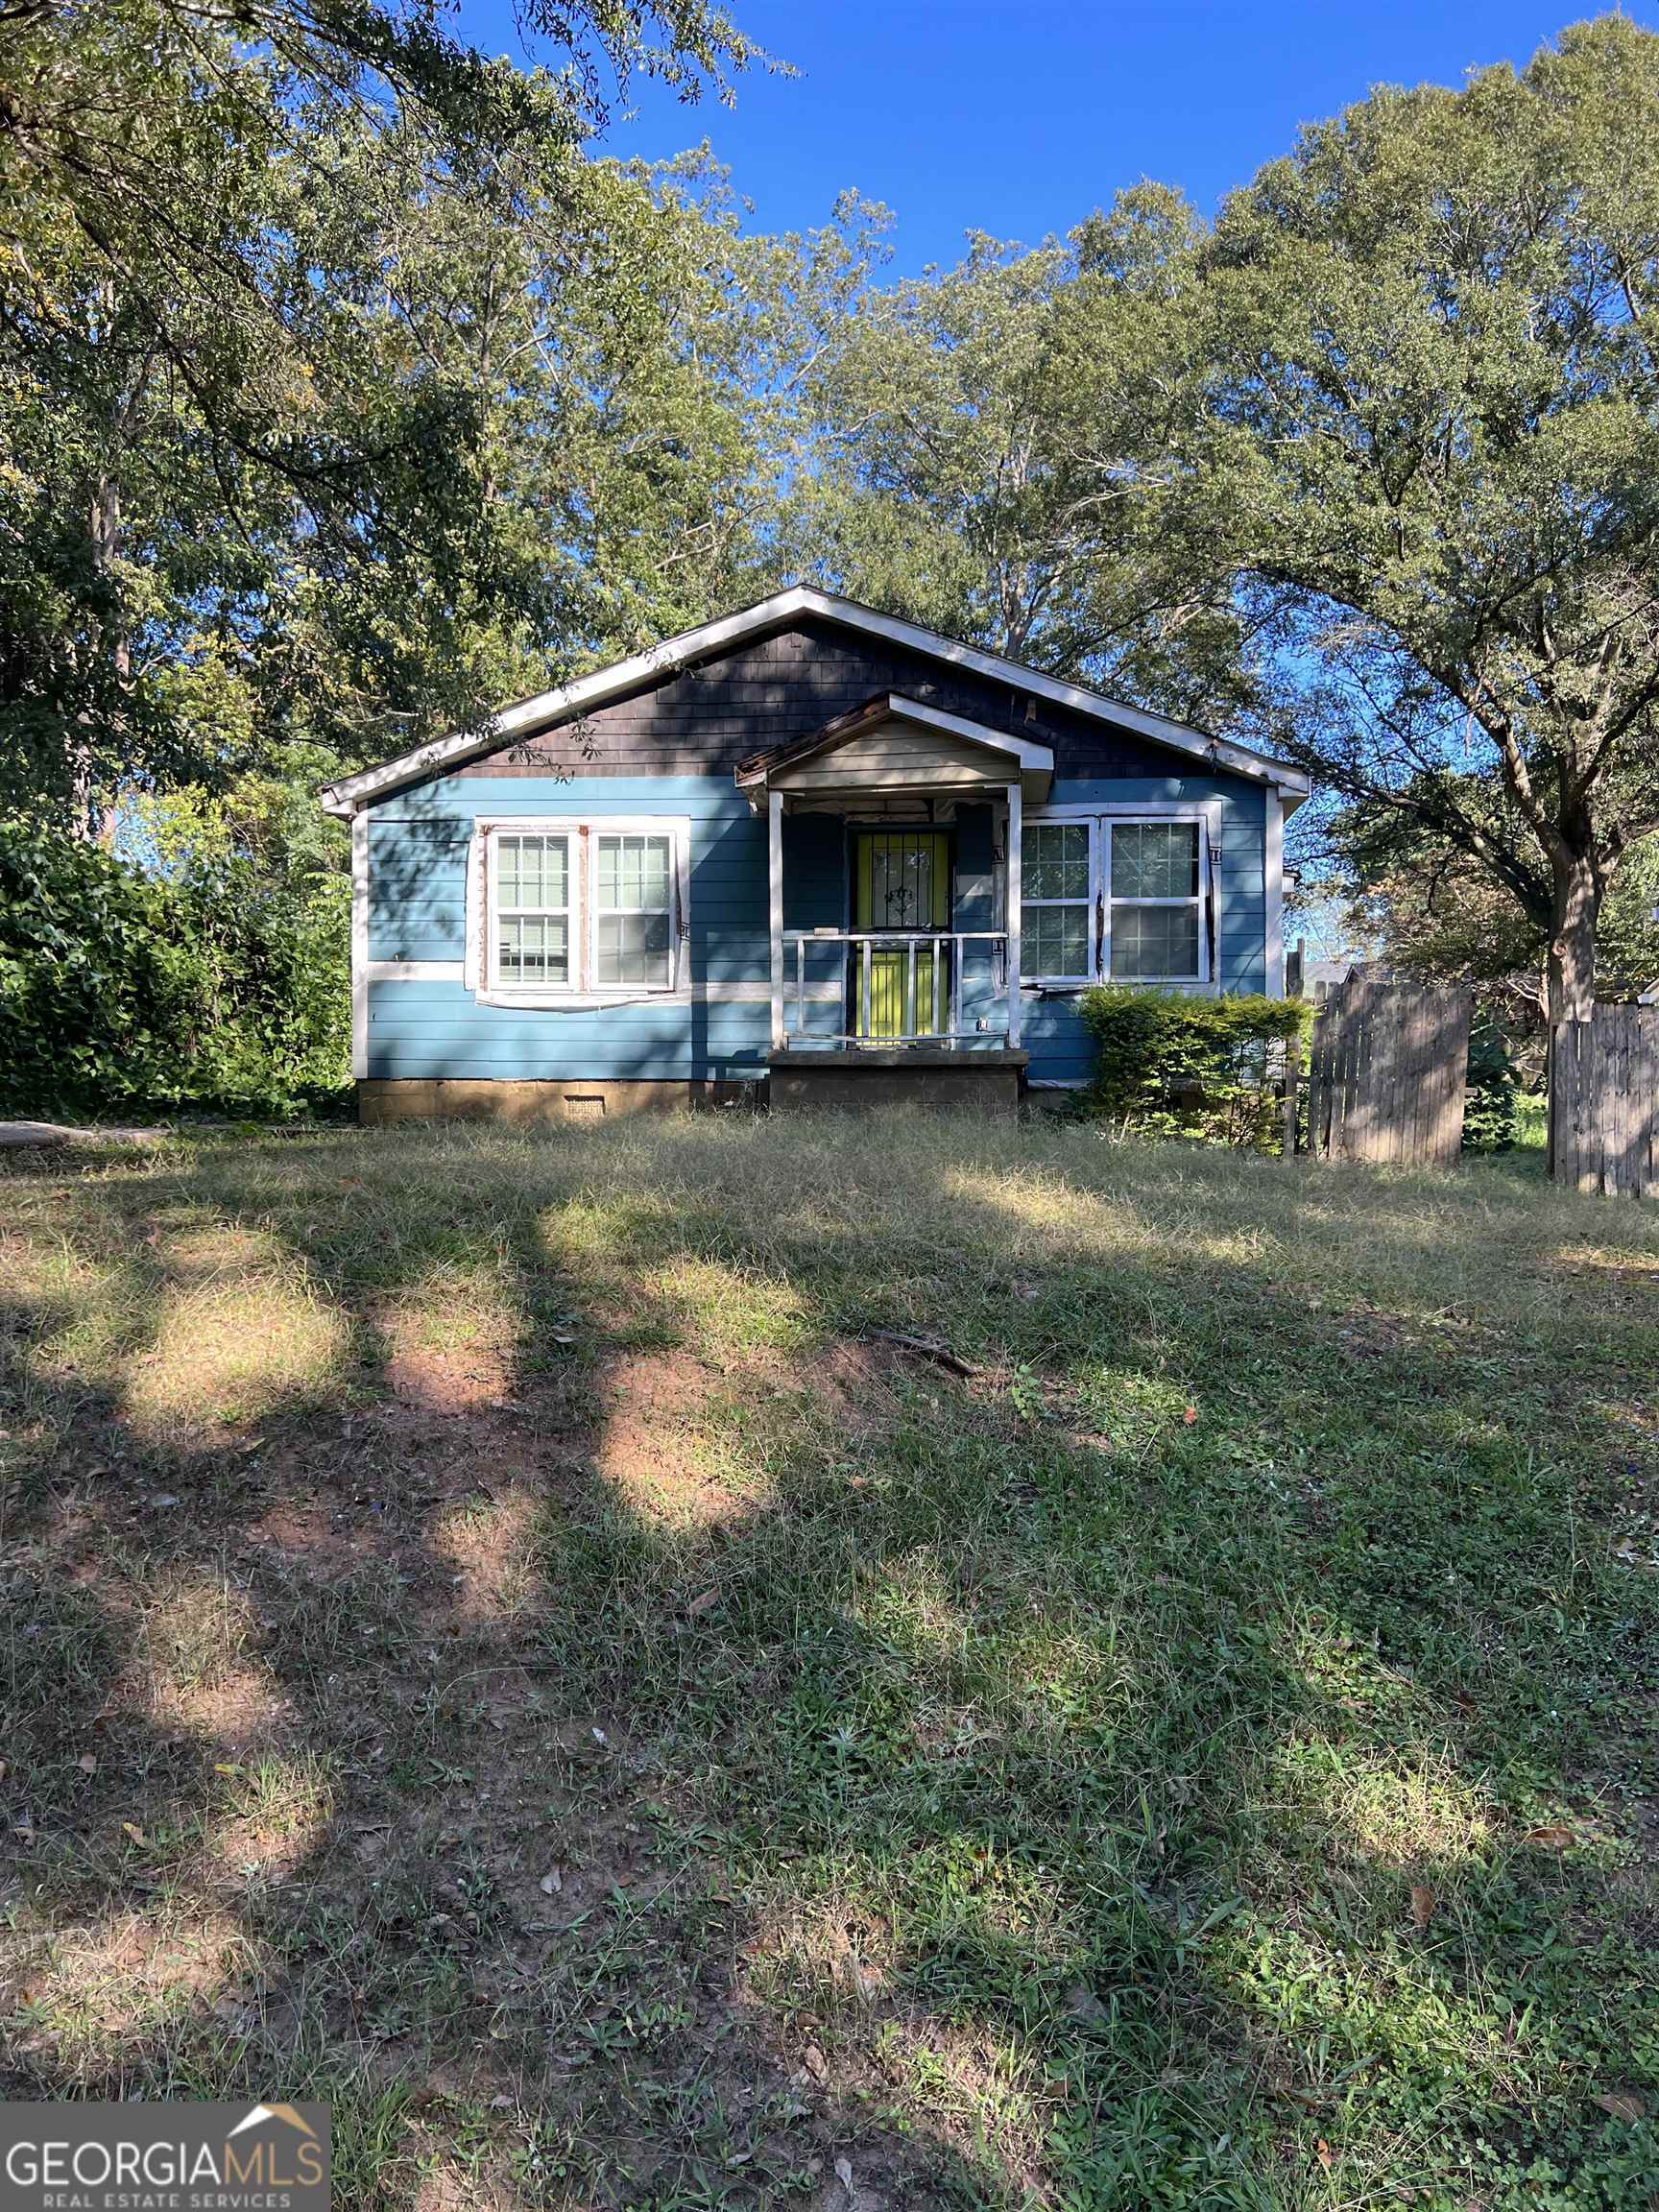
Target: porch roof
(891, 745)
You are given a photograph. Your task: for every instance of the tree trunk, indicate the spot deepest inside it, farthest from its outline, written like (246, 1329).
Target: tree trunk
(93, 819)
(1570, 972)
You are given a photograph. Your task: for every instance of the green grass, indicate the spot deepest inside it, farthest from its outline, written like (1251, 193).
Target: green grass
(493, 1638)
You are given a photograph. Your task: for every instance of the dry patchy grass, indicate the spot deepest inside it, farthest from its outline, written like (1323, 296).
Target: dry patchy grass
(495, 1637)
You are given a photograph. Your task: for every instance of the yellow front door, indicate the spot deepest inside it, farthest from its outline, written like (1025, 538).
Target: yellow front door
(902, 881)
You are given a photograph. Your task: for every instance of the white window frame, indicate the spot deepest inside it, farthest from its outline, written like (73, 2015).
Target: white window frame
(572, 910)
(1090, 901)
(582, 829)
(631, 828)
(1200, 901)
(1101, 819)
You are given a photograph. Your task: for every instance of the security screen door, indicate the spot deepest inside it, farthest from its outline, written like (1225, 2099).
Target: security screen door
(902, 881)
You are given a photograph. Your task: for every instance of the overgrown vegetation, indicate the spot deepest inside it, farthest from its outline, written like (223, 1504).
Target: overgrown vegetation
(1491, 1111)
(493, 1638)
(213, 976)
(1172, 1065)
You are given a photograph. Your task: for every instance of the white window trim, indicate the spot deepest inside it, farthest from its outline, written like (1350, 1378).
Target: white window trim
(495, 983)
(1100, 818)
(582, 992)
(1090, 901)
(676, 906)
(1201, 901)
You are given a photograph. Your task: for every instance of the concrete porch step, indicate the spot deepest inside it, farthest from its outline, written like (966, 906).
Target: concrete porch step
(861, 1077)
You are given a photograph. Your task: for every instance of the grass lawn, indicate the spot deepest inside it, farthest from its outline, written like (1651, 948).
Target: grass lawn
(494, 1638)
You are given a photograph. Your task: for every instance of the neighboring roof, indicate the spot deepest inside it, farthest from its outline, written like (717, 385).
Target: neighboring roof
(621, 677)
(889, 706)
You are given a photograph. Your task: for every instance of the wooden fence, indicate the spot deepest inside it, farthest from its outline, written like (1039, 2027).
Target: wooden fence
(1604, 1102)
(1388, 1073)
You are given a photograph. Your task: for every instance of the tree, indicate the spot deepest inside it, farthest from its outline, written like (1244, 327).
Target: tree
(980, 446)
(1431, 454)
(228, 448)
(616, 472)
(1432, 909)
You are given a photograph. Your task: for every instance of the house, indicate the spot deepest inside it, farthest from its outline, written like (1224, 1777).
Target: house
(809, 846)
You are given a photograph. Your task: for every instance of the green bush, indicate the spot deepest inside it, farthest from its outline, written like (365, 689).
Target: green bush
(1178, 1066)
(206, 978)
(1491, 1116)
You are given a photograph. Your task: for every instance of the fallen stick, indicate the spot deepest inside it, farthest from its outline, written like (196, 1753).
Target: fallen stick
(926, 1348)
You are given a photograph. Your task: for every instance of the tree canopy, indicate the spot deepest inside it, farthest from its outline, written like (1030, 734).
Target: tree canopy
(1431, 453)
(292, 315)
(983, 449)
(346, 390)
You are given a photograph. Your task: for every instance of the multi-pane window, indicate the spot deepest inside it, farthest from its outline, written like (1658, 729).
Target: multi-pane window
(533, 910)
(584, 907)
(633, 911)
(1157, 902)
(1104, 895)
(1055, 900)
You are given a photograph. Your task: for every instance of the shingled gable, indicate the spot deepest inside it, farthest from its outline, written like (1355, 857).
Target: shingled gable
(712, 642)
(888, 710)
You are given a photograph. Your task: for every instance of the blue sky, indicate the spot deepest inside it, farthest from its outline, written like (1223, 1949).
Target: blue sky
(1019, 116)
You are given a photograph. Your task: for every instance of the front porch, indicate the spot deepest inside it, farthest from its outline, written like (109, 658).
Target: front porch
(893, 845)
(989, 1080)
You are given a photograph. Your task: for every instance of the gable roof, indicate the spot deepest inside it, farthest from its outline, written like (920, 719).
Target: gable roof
(890, 706)
(602, 685)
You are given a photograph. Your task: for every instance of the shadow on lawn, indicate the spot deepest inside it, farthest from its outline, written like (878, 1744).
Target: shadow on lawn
(619, 1776)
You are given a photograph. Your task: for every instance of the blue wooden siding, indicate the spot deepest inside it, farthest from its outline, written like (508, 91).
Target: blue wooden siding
(431, 1029)
(417, 911)
(418, 843)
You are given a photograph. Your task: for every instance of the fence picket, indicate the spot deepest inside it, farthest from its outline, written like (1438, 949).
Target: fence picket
(1604, 1102)
(1388, 1073)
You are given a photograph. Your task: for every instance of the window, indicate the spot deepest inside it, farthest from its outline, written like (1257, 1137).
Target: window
(588, 910)
(1108, 893)
(531, 935)
(1056, 901)
(633, 911)
(1157, 902)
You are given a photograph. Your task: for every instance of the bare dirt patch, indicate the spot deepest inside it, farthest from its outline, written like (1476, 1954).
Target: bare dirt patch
(114, 1975)
(654, 1444)
(850, 1385)
(241, 1713)
(491, 1549)
(302, 1523)
(446, 1379)
(1367, 1333)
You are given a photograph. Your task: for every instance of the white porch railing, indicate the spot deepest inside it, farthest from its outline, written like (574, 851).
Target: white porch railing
(929, 967)
(860, 945)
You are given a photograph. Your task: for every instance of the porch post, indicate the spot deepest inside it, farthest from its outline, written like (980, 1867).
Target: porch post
(360, 947)
(775, 888)
(1016, 827)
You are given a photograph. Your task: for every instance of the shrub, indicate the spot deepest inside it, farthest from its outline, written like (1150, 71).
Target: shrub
(1491, 1116)
(1179, 1066)
(220, 982)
